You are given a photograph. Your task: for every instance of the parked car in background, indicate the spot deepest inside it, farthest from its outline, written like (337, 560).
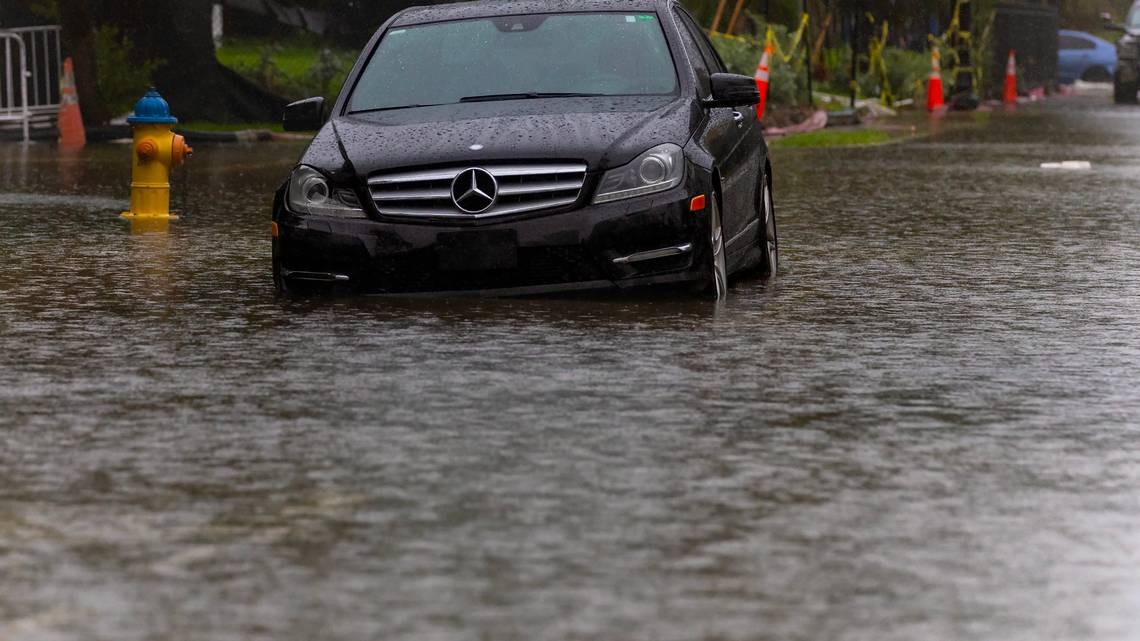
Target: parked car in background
(518, 147)
(1126, 80)
(1083, 56)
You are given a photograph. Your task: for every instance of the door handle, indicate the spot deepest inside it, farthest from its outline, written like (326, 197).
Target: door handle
(738, 118)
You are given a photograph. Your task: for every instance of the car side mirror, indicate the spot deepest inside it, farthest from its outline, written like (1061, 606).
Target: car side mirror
(1106, 17)
(304, 115)
(732, 90)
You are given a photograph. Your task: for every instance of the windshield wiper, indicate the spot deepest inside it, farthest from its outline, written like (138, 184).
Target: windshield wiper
(375, 109)
(528, 96)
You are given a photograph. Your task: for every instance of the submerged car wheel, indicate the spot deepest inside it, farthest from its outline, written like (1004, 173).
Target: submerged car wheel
(1124, 93)
(278, 279)
(717, 285)
(770, 242)
(1096, 74)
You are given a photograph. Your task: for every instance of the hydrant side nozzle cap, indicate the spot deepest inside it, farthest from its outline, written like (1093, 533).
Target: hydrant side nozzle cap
(152, 109)
(147, 149)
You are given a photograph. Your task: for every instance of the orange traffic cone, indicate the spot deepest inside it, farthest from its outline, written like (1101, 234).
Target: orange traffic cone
(934, 97)
(1009, 96)
(762, 76)
(71, 132)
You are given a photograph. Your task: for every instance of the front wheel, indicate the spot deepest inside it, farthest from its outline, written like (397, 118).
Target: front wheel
(716, 287)
(769, 240)
(1124, 93)
(1096, 74)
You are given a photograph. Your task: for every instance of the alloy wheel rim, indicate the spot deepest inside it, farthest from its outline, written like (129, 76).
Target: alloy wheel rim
(716, 239)
(771, 245)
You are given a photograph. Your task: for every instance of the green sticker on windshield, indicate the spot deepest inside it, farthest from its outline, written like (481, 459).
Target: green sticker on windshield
(646, 17)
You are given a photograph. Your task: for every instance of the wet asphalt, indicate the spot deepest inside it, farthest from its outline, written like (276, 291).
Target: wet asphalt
(927, 427)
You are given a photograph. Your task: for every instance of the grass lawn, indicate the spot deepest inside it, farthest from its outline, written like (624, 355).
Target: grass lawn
(294, 68)
(832, 138)
(294, 57)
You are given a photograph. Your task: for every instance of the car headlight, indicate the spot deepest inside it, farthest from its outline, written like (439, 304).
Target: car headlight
(658, 169)
(311, 194)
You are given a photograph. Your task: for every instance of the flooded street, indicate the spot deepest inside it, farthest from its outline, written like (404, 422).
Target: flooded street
(928, 427)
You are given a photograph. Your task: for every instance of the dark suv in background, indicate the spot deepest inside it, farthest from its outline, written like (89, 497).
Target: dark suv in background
(1127, 80)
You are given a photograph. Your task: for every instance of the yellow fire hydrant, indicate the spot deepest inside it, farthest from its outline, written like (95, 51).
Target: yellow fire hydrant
(155, 151)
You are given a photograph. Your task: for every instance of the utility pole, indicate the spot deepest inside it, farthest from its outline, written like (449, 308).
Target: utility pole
(719, 15)
(735, 16)
(854, 50)
(807, 55)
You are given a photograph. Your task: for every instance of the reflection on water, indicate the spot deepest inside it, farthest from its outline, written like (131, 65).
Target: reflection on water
(926, 428)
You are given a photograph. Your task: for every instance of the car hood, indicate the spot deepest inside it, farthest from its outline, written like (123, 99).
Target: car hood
(603, 132)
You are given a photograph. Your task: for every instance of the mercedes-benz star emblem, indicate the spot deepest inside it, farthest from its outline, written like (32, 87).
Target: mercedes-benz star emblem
(474, 190)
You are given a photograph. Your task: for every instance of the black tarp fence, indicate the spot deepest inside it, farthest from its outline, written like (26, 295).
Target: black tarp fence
(1029, 29)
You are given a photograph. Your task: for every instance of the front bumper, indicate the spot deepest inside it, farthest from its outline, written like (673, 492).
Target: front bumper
(583, 248)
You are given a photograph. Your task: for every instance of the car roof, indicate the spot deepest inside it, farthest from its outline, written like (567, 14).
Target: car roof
(1083, 34)
(492, 8)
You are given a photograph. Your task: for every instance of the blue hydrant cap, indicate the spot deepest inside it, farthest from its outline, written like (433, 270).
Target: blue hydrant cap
(152, 109)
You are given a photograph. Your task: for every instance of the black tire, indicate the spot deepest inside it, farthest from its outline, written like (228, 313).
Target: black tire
(1124, 93)
(769, 238)
(1096, 74)
(279, 280)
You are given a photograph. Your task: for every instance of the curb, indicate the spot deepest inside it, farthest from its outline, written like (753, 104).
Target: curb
(245, 135)
(248, 135)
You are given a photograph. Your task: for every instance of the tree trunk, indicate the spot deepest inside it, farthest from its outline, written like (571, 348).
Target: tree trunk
(176, 33)
(78, 41)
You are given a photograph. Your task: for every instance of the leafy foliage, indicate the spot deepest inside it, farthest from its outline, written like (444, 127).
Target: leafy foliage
(118, 77)
(787, 83)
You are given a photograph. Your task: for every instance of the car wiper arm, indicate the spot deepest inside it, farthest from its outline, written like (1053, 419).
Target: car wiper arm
(375, 109)
(528, 96)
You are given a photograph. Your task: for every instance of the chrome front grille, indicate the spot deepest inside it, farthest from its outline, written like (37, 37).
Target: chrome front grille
(521, 188)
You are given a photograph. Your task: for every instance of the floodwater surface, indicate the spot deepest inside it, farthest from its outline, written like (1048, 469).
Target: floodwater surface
(927, 427)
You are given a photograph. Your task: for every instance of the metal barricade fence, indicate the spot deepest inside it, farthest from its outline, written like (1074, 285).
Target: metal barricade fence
(29, 77)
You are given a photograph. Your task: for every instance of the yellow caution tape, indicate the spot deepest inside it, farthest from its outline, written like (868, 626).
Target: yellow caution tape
(771, 39)
(788, 54)
(878, 64)
(953, 31)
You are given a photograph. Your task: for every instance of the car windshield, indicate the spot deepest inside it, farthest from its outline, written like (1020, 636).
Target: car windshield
(517, 57)
(1133, 20)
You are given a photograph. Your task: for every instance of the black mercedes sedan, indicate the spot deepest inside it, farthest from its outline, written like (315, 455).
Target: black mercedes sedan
(522, 147)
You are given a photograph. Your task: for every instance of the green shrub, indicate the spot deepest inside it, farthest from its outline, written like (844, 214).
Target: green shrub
(787, 81)
(119, 80)
(907, 72)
